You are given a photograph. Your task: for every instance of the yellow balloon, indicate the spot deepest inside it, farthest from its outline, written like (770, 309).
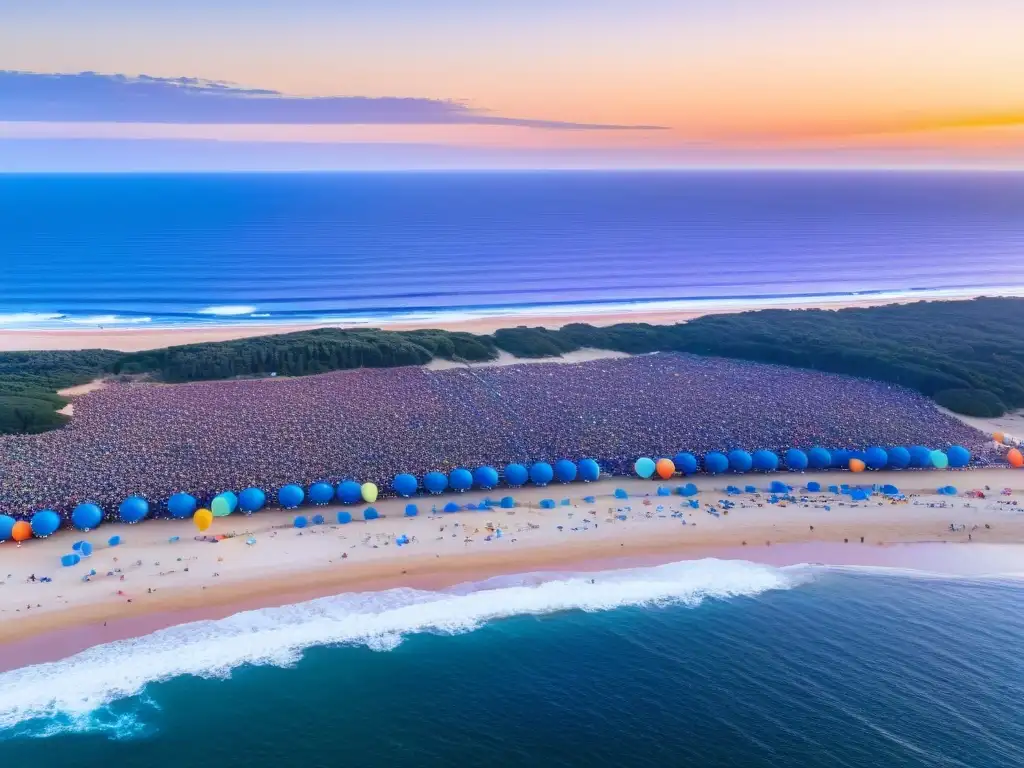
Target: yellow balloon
(203, 519)
(369, 491)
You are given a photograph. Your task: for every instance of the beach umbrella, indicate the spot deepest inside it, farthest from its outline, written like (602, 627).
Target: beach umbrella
(876, 457)
(959, 457)
(221, 505)
(344, 518)
(370, 514)
(133, 509)
(460, 479)
(939, 459)
(765, 461)
(740, 461)
(86, 516)
(405, 484)
(899, 457)
(6, 527)
(485, 477)
(203, 519)
(644, 467)
(565, 471)
(819, 458)
(715, 463)
(1016, 458)
(181, 505)
(44, 523)
(321, 493)
(796, 460)
(685, 462)
(349, 492)
(541, 473)
(411, 510)
(856, 465)
(369, 492)
(252, 500)
(436, 482)
(590, 470)
(516, 475)
(665, 468)
(290, 496)
(920, 457)
(300, 521)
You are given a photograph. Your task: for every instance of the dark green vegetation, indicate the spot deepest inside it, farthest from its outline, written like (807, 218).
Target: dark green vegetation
(967, 355)
(29, 382)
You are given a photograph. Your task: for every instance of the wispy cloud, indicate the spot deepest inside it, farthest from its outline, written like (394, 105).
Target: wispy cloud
(95, 97)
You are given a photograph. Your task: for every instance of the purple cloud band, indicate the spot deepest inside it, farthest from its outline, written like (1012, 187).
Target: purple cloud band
(93, 97)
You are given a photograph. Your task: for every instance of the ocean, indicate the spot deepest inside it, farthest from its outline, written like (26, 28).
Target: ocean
(710, 663)
(174, 250)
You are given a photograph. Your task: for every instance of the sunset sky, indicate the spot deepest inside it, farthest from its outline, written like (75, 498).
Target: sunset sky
(525, 84)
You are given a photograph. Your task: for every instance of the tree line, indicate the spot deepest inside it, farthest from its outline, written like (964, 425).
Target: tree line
(966, 355)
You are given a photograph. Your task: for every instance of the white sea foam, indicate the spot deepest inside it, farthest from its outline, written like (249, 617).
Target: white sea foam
(227, 310)
(28, 318)
(73, 689)
(109, 320)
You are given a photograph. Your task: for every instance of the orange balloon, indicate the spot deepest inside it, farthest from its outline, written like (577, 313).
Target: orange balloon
(856, 465)
(1015, 457)
(21, 531)
(999, 437)
(665, 468)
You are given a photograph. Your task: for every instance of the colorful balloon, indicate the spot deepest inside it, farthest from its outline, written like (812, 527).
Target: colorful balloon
(369, 492)
(290, 496)
(541, 473)
(323, 493)
(516, 475)
(220, 506)
(765, 461)
(715, 463)
(436, 482)
(665, 468)
(590, 470)
(133, 509)
(740, 461)
(685, 463)
(460, 479)
(644, 467)
(6, 526)
(796, 460)
(999, 437)
(876, 457)
(405, 484)
(856, 465)
(1015, 457)
(252, 500)
(44, 523)
(86, 516)
(349, 492)
(959, 457)
(939, 460)
(182, 505)
(21, 531)
(485, 477)
(899, 457)
(565, 470)
(203, 519)
(819, 458)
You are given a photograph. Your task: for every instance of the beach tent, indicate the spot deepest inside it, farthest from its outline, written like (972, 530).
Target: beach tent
(451, 506)
(507, 502)
(959, 456)
(920, 457)
(180, 505)
(460, 479)
(644, 467)
(344, 518)
(405, 484)
(87, 516)
(133, 509)
(899, 457)
(590, 470)
(796, 460)
(516, 475)
(411, 510)
(765, 461)
(939, 459)
(290, 496)
(318, 519)
(814, 487)
(876, 457)
(819, 458)
(6, 527)
(252, 500)
(321, 493)
(565, 471)
(685, 462)
(485, 477)
(620, 493)
(547, 503)
(349, 492)
(715, 463)
(541, 473)
(300, 522)
(370, 514)
(740, 460)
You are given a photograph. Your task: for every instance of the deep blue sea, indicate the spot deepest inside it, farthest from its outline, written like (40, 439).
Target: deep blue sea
(706, 663)
(81, 251)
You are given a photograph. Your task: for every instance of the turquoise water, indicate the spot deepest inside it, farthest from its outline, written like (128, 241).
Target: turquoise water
(712, 663)
(86, 251)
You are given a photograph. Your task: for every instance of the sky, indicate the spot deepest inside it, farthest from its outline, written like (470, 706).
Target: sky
(414, 84)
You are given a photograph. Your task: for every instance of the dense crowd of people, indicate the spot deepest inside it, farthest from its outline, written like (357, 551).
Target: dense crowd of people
(154, 440)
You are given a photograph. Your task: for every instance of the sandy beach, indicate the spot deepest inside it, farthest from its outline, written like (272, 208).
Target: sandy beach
(163, 574)
(135, 339)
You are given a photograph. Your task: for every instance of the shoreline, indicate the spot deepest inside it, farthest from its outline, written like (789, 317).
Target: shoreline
(138, 338)
(288, 566)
